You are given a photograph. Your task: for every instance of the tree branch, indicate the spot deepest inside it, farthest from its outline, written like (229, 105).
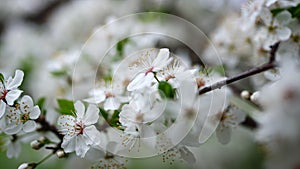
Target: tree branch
(270, 65)
(45, 126)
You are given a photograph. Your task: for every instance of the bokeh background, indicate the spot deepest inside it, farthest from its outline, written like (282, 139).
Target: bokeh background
(35, 33)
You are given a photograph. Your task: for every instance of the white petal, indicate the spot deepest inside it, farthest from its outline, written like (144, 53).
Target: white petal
(91, 115)
(141, 81)
(97, 96)
(79, 107)
(127, 114)
(81, 148)
(13, 150)
(283, 18)
(266, 16)
(148, 133)
(12, 95)
(223, 134)
(283, 33)
(34, 112)
(29, 126)
(66, 123)
(2, 108)
(187, 155)
(16, 81)
(93, 134)
(26, 104)
(69, 144)
(13, 129)
(239, 116)
(162, 59)
(111, 104)
(135, 83)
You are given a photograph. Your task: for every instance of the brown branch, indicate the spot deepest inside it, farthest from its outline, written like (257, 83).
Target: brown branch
(250, 123)
(45, 126)
(267, 66)
(273, 51)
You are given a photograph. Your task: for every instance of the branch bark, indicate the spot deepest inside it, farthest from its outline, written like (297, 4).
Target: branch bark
(267, 66)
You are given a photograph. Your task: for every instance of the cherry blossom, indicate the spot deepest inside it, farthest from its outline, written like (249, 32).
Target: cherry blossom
(22, 116)
(9, 91)
(79, 132)
(146, 66)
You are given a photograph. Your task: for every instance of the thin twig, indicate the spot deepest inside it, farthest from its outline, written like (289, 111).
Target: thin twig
(46, 126)
(270, 65)
(273, 51)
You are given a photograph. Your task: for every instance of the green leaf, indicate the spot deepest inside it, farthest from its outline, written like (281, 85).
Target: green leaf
(66, 107)
(295, 11)
(41, 102)
(276, 11)
(59, 73)
(166, 89)
(104, 113)
(114, 121)
(1, 78)
(120, 46)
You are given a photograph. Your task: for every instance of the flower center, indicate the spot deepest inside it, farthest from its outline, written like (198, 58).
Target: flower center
(3, 94)
(139, 117)
(200, 82)
(24, 118)
(169, 77)
(149, 70)
(79, 126)
(109, 94)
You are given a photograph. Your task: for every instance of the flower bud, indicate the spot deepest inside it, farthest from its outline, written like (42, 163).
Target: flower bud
(42, 139)
(60, 154)
(35, 144)
(27, 166)
(255, 96)
(245, 94)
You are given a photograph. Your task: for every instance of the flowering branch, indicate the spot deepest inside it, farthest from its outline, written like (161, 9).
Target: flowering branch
(45, 126)
(267, 66)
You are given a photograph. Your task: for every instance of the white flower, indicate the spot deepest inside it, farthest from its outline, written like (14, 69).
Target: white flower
(250, 11)
(109, 94)
(9, 91)
(279, 123)
(229, 120)
(22, 116)
(146, 67)
(175, 73)
(79, 133)
(135, 115)
(275, 29)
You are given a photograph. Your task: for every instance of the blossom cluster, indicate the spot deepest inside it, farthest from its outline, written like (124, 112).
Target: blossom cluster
(137, 89)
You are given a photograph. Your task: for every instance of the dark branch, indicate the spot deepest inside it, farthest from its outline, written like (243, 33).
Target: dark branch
(250, 123)
(273, 51)
(45, 126)
(270, 65)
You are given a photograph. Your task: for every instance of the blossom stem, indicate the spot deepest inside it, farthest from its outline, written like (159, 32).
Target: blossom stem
(267, 66)
(44, 159)
(156, 78)
(45, 126)
(250, 123)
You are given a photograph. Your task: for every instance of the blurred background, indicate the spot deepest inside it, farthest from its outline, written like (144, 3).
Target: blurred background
(39, 36)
